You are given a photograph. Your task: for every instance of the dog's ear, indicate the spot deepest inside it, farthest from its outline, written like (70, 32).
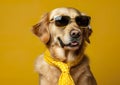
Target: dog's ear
(87, 32)
(41, 29)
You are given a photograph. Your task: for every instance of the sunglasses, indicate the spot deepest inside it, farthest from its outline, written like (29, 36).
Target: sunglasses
(61, 21)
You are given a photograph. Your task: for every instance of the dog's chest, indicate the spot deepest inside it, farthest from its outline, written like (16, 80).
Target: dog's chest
(49, 75)
(53, 74)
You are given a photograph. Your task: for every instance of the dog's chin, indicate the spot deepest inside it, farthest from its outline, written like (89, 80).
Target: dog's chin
(71, 48)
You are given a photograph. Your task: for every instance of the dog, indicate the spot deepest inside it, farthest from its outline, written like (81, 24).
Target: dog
(65, 31)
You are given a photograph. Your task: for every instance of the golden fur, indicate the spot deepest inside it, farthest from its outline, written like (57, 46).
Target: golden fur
(48, 33)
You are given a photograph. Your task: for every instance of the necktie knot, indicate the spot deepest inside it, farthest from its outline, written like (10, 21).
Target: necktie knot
(64, 67)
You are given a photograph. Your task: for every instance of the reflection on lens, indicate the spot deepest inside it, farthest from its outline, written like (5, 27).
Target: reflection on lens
(62, 20)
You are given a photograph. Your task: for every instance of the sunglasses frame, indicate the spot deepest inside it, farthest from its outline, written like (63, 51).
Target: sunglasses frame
(69, 19)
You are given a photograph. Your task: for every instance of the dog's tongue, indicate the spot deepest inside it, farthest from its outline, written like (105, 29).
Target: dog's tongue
(74, 43)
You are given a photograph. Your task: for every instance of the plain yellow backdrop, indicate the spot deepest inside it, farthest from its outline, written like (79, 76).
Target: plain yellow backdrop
(19, 47)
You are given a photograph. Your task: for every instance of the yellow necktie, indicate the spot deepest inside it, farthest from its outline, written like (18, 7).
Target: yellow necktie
(65, 77)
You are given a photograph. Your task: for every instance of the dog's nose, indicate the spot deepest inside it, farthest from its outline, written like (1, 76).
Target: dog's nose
(75, 33)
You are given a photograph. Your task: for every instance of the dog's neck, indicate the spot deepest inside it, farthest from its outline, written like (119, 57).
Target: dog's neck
(66, 55)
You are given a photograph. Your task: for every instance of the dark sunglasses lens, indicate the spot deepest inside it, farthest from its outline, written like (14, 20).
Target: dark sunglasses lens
(62, 21)
(83, 20)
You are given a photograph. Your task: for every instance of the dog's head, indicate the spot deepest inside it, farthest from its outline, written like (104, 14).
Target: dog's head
(64, 28)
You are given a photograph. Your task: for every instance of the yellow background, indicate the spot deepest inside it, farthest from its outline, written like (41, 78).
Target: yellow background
(19, 47)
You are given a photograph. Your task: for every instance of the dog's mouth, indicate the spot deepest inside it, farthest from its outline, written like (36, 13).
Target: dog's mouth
(73, 43)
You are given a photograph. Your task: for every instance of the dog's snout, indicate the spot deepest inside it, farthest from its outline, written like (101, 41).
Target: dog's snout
(75, 33)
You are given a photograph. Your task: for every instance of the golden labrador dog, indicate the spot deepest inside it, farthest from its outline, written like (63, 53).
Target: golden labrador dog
(65, 32)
